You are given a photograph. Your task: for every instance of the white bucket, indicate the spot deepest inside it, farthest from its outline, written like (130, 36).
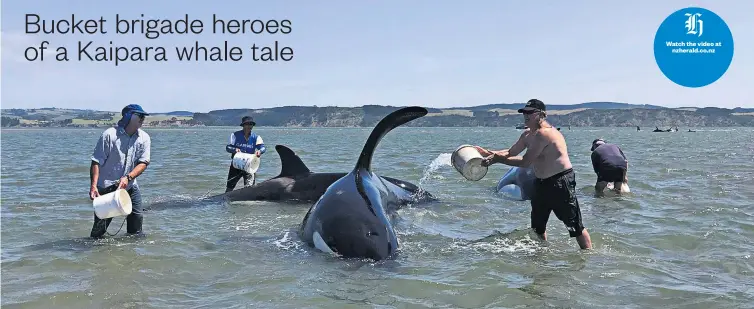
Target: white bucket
(467, 161)
(246, 161)
(113, 204)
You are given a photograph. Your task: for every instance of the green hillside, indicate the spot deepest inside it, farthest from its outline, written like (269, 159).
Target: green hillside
(592, 114)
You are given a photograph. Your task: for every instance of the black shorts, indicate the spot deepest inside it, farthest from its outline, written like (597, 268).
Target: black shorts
(556, 194)
(611, 174)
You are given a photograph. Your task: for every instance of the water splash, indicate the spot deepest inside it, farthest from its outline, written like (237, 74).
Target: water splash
(288, 242)
(525, 245)
(442, 160)
(516, 242)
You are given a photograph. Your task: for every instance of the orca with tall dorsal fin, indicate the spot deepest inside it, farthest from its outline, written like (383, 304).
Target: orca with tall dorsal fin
(351, 218)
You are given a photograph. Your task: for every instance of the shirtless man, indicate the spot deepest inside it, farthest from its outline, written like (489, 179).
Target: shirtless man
(555, 187)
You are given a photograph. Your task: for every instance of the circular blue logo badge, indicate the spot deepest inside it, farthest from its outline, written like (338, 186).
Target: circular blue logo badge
(693, 47)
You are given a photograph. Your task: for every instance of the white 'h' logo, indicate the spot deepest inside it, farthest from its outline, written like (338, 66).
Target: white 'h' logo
(691, 24)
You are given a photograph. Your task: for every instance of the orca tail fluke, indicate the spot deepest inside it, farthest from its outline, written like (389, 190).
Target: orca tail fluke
(387, 124)
(290, 163)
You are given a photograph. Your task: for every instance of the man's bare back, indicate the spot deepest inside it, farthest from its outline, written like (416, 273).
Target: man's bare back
(554, 156)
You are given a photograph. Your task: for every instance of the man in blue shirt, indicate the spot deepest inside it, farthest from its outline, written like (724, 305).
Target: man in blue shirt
(247, 142)
(121, 154)
(610, 165)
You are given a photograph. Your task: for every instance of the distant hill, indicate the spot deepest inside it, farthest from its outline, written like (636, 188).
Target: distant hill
(601, 114)
(588, 105)
(743, 110)
(61, 117)
(178, 113)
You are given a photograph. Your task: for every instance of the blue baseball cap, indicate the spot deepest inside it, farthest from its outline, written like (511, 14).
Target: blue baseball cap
(134, 109)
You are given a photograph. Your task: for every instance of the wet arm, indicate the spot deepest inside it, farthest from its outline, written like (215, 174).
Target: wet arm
(99, 156)
(144, 159)
(260, 145)
(94, 174)
(138, 170)
(532, 152)
(517, 148)
(231, 147)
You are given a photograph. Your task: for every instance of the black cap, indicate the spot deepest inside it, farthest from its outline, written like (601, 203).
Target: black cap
(249, 120)
(596, 143)
(533, 104)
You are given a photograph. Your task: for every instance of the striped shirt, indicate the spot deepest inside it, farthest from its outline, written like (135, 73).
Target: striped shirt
(117, 154)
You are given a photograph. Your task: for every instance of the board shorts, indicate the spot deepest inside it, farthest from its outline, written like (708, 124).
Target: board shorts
(557, 194)
(611, 174)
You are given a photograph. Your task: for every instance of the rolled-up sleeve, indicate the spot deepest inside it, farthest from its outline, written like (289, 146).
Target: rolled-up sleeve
(260, 145)
(231, 147)
(146, 151)
(101, 149)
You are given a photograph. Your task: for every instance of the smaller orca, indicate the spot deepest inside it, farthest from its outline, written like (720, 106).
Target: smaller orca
(296, 183)
(351, 218)
(517, 183)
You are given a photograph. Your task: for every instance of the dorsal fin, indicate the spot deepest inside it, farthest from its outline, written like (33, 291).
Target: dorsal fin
(290, 163)
(390, 122)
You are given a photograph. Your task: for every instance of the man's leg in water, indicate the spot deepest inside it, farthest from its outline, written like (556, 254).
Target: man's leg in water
(600, 186)
(607, 176)
(618, 185)
(246, 179)
(540, 213)
(100, 225)
(233, 177)
(567, 210)
(135, 218)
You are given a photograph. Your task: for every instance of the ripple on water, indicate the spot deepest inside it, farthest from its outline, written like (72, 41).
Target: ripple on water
(681, 239)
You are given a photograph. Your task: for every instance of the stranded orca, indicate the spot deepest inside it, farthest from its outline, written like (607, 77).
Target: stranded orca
(351, 218)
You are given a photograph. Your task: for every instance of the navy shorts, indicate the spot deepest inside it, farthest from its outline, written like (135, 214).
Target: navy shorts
(611, 174)
(556, 194)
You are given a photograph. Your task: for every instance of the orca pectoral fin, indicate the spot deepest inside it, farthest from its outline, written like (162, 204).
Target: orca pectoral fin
(320, 243)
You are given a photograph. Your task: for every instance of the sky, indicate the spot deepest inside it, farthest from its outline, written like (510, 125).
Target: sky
(399, 53)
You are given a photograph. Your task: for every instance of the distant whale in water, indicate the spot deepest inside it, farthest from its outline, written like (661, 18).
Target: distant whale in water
(295, 182)
(517, 183)
(351, 218)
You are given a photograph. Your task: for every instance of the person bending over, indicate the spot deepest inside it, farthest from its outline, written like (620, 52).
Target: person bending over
(610, 165)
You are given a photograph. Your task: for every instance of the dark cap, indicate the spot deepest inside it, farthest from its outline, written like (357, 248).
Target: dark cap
(134, 109)
(249, 120)
(533, 105)
(596, 143)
